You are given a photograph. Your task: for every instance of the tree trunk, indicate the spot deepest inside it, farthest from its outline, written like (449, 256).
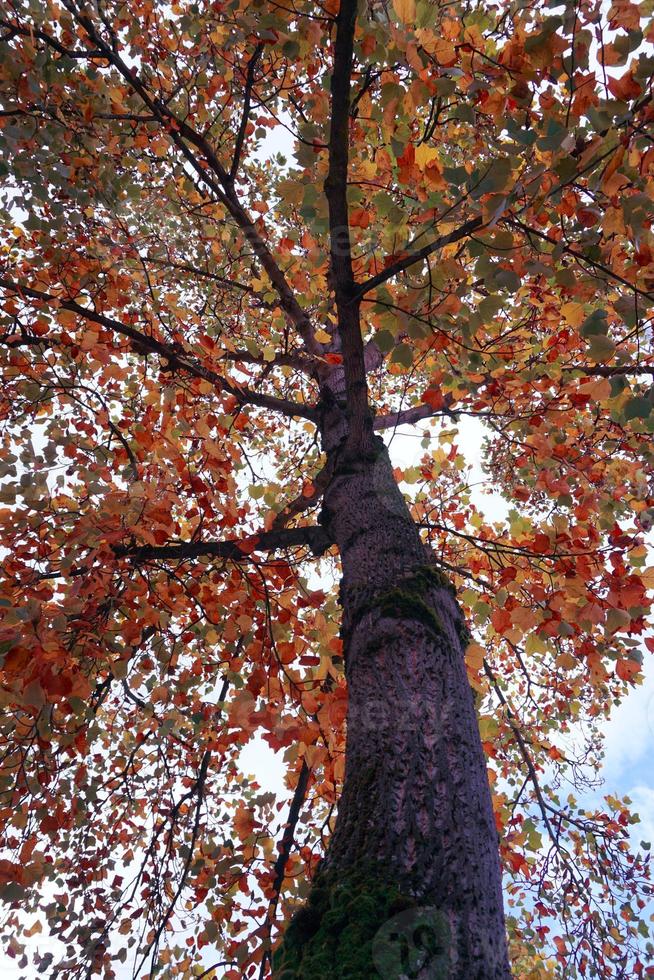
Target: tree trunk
(411, 883)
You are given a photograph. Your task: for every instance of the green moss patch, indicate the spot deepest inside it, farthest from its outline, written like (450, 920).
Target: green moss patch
(406, 600)
(357, 926)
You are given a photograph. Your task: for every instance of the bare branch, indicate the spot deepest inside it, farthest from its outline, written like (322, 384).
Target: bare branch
(288, 839)
(252, 64)
(303, 502)
(341, 272)
(411, 415)
(182, 134)
(569, 250)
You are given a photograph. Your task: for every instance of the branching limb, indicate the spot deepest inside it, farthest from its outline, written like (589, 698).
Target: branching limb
(238, 549)
(183, 136)
(569, 250)
(288, 839)
(611, 371)
(249, 82)
(341, 271)
(411, 415)
(305, 501)
(422, 253)
(142, 343)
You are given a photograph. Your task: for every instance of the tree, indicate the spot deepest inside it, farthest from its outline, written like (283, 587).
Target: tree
(201, 345)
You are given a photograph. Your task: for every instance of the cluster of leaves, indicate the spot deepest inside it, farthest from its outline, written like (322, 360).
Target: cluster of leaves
(168, 314)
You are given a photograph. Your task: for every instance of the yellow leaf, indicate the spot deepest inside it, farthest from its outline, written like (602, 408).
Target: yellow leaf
(444, 52)
(89, 340)
(573, 313)
(439, 47)
(425, 154)
(488, 727)
(322, 336)
(597, 390)
(405, 10)
(66, 318)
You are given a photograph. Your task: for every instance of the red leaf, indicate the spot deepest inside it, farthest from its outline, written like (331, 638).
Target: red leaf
(248, 545)
(433, 397)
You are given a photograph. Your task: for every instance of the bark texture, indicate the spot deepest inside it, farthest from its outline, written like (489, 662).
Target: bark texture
(411, 883)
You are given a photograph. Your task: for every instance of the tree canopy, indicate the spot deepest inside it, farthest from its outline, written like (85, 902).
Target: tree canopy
(484, 175)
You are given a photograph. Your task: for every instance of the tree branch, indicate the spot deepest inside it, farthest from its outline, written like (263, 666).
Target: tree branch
(422, 253)
(341, 273)
(238, 149)
(236, 549)
(181, 134)
(569, 250)
(611, 371)
(411, 415)
(320, 482)
(288, 839)
(142, 343)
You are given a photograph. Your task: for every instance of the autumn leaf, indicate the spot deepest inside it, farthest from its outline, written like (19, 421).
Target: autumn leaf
(405, 10)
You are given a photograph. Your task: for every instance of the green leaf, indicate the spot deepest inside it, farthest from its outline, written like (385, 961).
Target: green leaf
(495, 179)
(403, 354)
(508, 279)
(489, 306)
(385, 341)
(595, 324)
(600, 347)
(639, 407)
(618, 384)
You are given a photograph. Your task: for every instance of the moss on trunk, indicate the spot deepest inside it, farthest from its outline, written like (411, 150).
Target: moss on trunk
(359, 925)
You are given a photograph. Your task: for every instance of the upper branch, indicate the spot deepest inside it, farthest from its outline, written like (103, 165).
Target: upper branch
(341, 272)
(411, 416)
(569, 250)
(339, 138)
(249, 82)
(422, 253)
(182, 134)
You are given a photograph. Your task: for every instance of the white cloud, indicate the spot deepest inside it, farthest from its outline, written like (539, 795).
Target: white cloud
(642, 798)
(630, 731)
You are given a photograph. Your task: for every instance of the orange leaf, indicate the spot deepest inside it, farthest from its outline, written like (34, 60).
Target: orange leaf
(359, 218)
(625, 88)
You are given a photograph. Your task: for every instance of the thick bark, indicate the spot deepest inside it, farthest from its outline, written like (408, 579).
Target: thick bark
(411, 884)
